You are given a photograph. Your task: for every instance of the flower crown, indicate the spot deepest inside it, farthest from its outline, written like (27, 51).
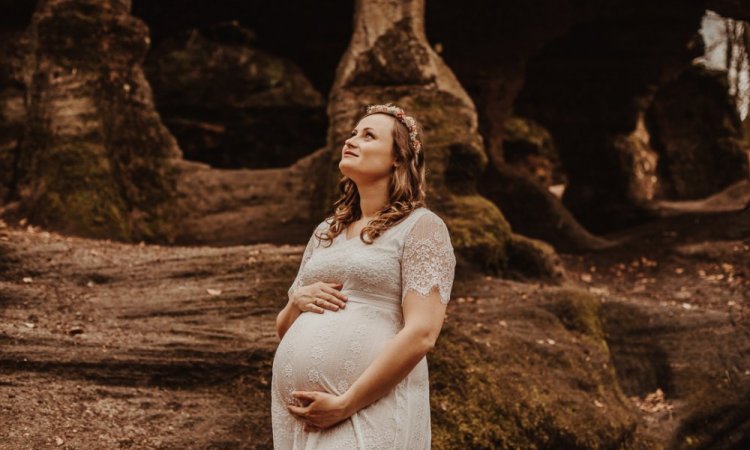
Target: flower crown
(399, 114)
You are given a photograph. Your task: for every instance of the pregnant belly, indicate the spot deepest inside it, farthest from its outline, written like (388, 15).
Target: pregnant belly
(327, 352)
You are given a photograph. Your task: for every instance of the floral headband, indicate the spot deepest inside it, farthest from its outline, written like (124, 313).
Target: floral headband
(399, 114)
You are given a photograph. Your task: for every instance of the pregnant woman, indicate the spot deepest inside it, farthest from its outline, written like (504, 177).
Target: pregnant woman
(367, 304)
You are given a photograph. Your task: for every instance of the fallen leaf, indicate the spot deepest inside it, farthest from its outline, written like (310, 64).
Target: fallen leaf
(648, 262)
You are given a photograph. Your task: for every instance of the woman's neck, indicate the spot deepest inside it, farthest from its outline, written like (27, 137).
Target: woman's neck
(372, 198)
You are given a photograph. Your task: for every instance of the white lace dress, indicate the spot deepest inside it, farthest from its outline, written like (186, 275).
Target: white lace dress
(329, 351)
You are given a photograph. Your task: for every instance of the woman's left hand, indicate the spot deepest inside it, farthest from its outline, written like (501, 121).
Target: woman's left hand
(325, 409)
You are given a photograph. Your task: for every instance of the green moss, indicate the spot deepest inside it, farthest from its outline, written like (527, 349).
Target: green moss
(467, 410)
(446, 120)
(478, 231)
(578, 310)
(96, 184)
(533, 258)
(517, 393)
(86, 211)
(75, 191)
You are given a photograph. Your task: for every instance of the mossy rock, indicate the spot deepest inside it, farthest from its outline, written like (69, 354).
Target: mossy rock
(539, 380)
(96, 160)
(76, 191)
(723, 424)
(479, 232)
(533, 258)
(580, 312)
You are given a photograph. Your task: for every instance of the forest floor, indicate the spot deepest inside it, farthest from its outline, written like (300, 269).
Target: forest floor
(112, 345)
(689, 269)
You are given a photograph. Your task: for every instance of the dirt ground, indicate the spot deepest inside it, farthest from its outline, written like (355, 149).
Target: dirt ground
(691, 274)
(110, 345)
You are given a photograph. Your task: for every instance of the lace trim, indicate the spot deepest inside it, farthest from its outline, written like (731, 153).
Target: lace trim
(428, 260)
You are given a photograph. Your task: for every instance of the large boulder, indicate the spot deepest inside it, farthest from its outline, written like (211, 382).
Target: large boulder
(535, 374)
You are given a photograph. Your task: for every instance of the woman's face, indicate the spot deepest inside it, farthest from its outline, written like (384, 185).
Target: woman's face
(368, 153)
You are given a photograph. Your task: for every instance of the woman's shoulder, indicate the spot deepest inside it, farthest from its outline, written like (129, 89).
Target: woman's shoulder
(323, 226)
(426, 214)
(416, 216)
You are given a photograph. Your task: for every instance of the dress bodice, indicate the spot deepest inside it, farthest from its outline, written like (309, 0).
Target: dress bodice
(415, 253)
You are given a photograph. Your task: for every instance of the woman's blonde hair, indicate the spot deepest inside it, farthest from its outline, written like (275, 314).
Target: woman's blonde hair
(406, 190)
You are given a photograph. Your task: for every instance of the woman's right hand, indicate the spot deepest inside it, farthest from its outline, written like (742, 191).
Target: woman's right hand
(319, 295)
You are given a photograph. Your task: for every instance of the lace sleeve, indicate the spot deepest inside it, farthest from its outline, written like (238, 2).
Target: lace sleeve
(305, 257)
(428, 260)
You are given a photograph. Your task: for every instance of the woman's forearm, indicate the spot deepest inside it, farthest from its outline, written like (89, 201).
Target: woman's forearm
(397, 359)
(286, 318)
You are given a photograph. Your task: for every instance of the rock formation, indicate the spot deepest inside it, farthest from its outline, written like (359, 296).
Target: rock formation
(95, 157)
(696, 129)
(578, 73)
(144, 338)
(231, 104)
